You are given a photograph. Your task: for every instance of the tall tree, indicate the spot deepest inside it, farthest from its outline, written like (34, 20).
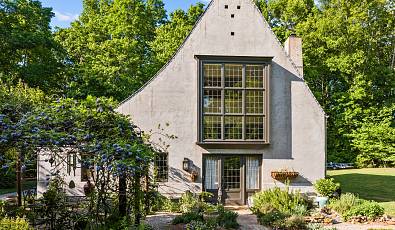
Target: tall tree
(28, 50)
(109, 46)
(348, 49)
(284, 15)
(171, 35)
(16, 103)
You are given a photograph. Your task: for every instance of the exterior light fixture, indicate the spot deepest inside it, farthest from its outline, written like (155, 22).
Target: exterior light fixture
(185, 164)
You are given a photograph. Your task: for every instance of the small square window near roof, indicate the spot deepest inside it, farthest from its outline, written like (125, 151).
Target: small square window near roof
(239, 7)
(226, 6)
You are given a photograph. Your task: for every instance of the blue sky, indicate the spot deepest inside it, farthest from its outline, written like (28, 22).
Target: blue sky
(67, 11)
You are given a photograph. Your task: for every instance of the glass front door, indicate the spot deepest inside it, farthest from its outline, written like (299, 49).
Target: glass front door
(232, 178)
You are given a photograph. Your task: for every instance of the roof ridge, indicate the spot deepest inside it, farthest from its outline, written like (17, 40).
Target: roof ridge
(170, 60)
(299, 75)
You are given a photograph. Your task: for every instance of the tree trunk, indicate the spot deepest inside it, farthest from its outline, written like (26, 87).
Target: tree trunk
(147, 192)
(18, 180)
(137, 213)
(122, 196)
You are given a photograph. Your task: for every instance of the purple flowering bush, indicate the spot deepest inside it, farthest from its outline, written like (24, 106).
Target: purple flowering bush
(116, 152)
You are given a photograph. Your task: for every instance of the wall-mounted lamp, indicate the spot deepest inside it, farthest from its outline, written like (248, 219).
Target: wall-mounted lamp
(185, 164)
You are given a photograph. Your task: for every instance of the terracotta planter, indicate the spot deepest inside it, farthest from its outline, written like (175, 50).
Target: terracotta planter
(283, 176)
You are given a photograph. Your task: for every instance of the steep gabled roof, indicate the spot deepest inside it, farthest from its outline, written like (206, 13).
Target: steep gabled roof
(210, 5)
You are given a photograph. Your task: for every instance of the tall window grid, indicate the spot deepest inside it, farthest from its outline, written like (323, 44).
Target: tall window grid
(71, 163)
(162, 167)
(234, 101)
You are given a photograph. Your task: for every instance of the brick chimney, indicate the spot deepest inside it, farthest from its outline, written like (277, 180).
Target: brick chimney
(293, 48)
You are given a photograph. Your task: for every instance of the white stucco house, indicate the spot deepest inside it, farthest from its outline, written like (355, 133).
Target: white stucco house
(237, 102)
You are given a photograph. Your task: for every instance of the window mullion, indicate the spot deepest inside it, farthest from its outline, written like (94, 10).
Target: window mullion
(244, 102)
(223, 102)
(267, 101)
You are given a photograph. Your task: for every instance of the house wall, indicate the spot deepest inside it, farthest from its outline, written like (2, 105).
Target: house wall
(46, 172)
(297, 123)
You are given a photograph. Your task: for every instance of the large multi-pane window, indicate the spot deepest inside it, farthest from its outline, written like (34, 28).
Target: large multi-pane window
(234, 97)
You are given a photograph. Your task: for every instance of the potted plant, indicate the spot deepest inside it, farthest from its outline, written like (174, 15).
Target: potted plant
(325, 189)
(284, 174)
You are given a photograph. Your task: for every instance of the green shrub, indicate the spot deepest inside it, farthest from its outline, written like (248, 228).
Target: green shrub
(267, 219)
(188, 217)
(2, 208)
(344, 203)
(326, 187)
(206, 196)
(7, 180)
(224, 218)
(162, 203)
(281, 209)
(227, 219)
(370, 209)
(278, 220)
(284, 201)
(349, 205)
(188, 202)
(200, 225)
(294, 222)
(14, 224)
(194, 203)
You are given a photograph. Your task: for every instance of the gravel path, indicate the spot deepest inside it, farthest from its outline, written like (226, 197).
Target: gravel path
(248, 221)
(349, 226)
(161, 220)
(5, 196)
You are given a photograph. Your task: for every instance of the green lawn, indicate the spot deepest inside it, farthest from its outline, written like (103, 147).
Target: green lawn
(372, 184)
(25, 185)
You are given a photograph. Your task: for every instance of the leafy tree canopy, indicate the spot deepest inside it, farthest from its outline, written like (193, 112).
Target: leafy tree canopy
(284, 15)
(16, 102)
(109, 46)
(375, 138)
(28, 50)
(170, 36)
(348, 50)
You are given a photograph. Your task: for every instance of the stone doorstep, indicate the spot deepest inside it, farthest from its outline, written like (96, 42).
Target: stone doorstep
(236, 207)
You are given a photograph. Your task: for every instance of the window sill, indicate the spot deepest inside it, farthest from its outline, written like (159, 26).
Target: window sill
(233, 144)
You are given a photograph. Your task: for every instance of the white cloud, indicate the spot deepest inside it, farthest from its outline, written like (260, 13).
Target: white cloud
(65, 17)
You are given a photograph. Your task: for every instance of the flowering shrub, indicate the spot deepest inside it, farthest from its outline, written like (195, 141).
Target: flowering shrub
(112, 147)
